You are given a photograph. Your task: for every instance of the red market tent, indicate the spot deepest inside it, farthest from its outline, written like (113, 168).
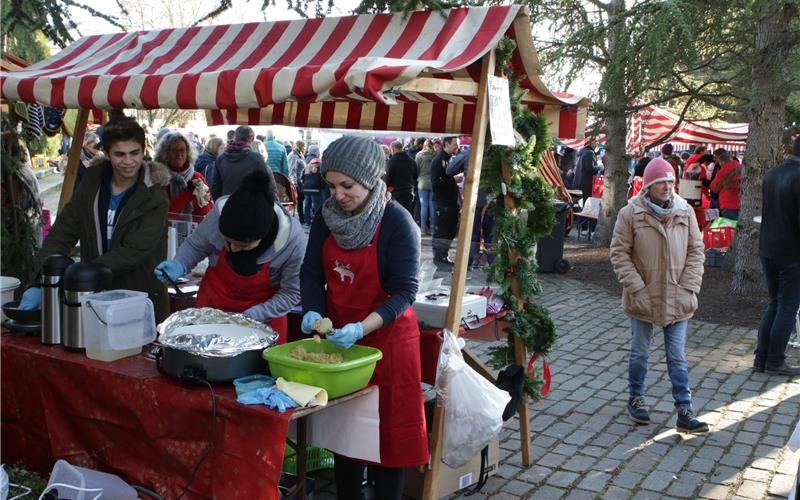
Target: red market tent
(651, 125)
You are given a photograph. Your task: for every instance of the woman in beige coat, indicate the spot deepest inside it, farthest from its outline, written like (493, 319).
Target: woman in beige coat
(657, 253)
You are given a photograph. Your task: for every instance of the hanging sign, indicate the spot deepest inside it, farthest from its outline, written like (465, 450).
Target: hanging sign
(500, 121)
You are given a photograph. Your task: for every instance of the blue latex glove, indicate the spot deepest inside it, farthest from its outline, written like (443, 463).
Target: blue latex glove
(307, 326)
(270, 396)
(172, 267)
(31, 299)
(347, 335)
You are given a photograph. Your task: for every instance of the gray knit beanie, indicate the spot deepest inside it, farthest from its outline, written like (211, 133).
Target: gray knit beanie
(355, 157)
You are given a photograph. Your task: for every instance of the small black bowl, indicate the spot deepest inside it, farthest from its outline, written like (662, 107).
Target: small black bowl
(29, 316)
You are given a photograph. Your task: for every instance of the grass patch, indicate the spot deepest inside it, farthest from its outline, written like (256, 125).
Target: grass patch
(17, 474)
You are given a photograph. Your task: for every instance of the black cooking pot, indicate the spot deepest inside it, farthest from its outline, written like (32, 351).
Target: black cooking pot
(188, 366)
(28, 316)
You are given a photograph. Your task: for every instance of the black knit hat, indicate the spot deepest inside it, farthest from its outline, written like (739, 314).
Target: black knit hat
(249, 212)
(356, 157)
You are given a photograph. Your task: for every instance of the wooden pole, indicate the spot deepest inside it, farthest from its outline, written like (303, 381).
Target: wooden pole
(462, 254)
(520, 353)
(74, 157)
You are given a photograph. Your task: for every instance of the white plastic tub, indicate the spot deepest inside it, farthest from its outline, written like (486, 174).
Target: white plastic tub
(7, 286)
(117, 323)
(67, 474)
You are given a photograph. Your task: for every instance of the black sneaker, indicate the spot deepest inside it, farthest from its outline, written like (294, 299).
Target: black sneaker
(638, 410)
(688, 424)
(784, 369)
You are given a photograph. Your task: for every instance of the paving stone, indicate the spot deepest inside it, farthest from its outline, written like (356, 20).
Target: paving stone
(735, 460)
(552, 460)
(711, 452)
(764, 463)
(595, 481)
(616, 493)
(507, 471)
(703, 465)
(789, 464)
(566, 449)
(579, 437)
(781, 485)
(714, 491)
(724, 475)
(562, 479)
(658, 480)
(747, 437)
(515, 487)
(546, 492)
(751, 489)
(535, 475)
(686, 484)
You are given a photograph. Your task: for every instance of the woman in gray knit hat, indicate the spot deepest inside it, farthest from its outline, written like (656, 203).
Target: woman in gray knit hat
(360, 270)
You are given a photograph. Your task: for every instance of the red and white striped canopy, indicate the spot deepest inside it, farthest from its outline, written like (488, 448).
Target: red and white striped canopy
(414, 72)
(652, 124)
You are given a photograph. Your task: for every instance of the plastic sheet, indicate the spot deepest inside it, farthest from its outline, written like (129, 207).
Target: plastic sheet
(473, 406)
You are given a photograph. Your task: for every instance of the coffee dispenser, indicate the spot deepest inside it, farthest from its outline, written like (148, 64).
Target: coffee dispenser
(52, 274)
(80, 278)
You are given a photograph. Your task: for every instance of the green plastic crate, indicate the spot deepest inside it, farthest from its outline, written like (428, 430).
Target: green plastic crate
(316, 459)
(337, 379)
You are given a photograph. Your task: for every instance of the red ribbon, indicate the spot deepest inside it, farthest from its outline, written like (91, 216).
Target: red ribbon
(545, 390)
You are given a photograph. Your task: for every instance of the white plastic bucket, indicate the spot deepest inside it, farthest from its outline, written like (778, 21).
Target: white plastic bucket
(117, 323)
(7, 286)
(67, 474)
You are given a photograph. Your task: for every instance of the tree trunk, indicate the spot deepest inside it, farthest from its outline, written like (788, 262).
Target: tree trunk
(613, 88)
(768, 95)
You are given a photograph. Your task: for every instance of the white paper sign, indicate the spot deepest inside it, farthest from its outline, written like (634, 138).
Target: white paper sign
(500, 122)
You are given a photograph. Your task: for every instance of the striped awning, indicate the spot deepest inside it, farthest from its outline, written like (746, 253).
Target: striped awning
(414, 72)
(651, 125)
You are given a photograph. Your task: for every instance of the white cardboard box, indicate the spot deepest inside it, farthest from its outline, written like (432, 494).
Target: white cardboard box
(431, 307)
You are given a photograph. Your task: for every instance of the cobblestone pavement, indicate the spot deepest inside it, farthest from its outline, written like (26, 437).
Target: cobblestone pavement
(585, 446)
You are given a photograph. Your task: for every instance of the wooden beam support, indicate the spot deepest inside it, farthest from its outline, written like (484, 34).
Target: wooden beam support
(462, 254)
(73, 158)
(441, 86)
(523, 410)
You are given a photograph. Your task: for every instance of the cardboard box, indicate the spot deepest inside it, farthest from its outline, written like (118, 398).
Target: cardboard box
(452, 480)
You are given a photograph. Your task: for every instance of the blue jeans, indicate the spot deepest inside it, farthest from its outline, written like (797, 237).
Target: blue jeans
(426, 208)
(675, 345)
(311, 203)
(783, 284)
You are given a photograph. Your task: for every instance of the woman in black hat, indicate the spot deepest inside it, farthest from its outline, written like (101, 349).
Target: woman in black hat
(255, 250)
(360, 270)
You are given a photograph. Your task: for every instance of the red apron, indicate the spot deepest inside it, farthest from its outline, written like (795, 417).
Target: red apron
(354, 291)
(223, 289)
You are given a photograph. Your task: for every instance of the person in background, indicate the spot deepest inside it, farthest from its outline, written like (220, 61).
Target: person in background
(676, 163)
(666, 150)
(313, 187)
(692, 166)
(445, 198)
(483, 222)
(658, 257)
(416, 146)
(585, 169)
(119, 214)
(360, 270)
(779, 249)
(206, 163)
(258, 147)
(88, 152)
(188, 190)
(297, 168)
(236, 162)
(427, 209)
(255, 249)
(727, 185)
(277, 159)
(401, 176)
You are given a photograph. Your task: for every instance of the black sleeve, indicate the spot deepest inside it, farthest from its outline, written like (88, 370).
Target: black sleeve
(398, 261)
(312, 277)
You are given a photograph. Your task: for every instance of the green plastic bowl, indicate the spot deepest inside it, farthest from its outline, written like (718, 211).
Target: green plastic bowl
(338, 379)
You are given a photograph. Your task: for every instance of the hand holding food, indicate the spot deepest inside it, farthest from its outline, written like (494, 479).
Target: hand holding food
(346, 336)
(309, 318)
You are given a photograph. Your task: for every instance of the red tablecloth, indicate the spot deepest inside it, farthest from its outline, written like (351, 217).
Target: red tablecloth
(127, 419)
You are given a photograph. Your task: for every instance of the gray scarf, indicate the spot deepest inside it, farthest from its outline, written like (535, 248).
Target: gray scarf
(664, 213)
(350, 230)
(179, 180)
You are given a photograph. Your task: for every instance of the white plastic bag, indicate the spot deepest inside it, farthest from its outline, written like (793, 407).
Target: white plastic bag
(473, 406)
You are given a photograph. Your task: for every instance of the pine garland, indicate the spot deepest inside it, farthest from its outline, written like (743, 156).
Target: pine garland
(517, 230)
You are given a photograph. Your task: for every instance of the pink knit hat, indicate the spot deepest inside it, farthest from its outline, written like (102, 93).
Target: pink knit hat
(657, 170)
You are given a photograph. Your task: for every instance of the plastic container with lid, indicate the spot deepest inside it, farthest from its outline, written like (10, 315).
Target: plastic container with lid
(7, 286)
(79, 478)
(117, 323)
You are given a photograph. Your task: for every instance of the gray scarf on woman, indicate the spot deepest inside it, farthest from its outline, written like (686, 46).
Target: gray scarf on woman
(179, 180)
(350, 230)
(664, 213)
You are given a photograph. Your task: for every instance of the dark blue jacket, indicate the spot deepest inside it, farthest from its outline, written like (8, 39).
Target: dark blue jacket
(780, 214)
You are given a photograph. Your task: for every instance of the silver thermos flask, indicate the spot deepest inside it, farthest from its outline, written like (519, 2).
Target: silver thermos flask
(52, 274)
(80, 279)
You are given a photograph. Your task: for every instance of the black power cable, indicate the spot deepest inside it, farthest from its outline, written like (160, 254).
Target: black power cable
(211, 429)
